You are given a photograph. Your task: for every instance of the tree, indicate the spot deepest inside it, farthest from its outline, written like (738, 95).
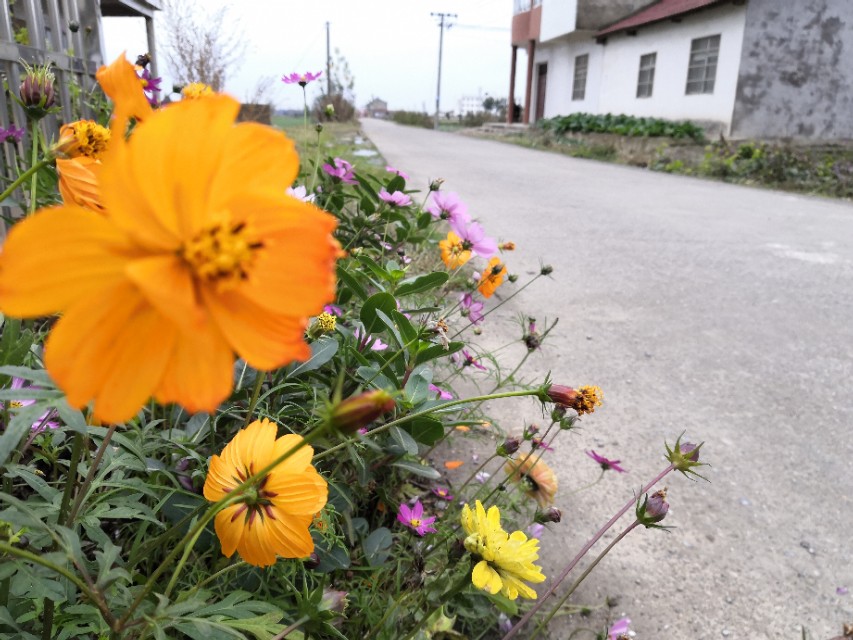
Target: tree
(342, 97)
(201, 46)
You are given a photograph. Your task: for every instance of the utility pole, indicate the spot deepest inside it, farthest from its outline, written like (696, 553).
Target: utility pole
(328, 64)
(441, 25)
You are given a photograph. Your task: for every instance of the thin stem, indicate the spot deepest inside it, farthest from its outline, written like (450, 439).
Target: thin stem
(550, 592)
(582, 577)
(463, 581)
(498, 306)
(476, 471)
(378, 627)
(23, 178)
(93, 468)
(291, 628)
(76, 452)
(256, 393)
(33, 163)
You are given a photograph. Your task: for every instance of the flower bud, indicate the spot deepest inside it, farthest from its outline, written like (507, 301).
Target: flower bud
(583, 400)
(330, 110)
(318, 128)
(653, 509)
(551, 514)
(478, 331)
(508, 447)
(684, 457)
(324, 323)
(359, 411)
(512, 277)
(562, 395)
(37, 90)
(311, 562)
(530, 431)
(546, 270)
(435, 185)
(335, 601)
(74, 26)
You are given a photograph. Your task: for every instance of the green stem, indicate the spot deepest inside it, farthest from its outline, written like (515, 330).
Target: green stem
(256, 393)
(582, 577)
(474, 474)
(498, 306)
(376, 629)
(291, 628)
(23, 178)
(431, 410)
(33, 163)
(93, 468)
(76, 453)
(464, 580)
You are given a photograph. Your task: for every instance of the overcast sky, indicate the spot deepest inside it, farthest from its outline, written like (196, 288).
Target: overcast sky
(391, 47)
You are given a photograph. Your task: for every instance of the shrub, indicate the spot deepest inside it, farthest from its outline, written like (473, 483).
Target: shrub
(622, 125)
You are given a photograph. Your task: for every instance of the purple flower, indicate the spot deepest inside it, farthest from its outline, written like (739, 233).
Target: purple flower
(334, 309)
(539, 443)
(535, 530)
(441, 394)
(300, 79)
(300, 193)
(469, 360)
(472, 308)
(414, 519)
(842, 591)
(482, 477)
(396, 199)
(605, 463)
(619, 628)
(448, 206)
(442, 493)
(13, 133)
(402, 174)
(151, 87)
(42, 423)
(342, 171)
(375, 343)
(475, 238)
(362, 431)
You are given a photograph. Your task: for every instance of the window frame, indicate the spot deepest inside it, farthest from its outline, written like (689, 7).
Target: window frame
(578, 80)
(702, 65)
(646, 83)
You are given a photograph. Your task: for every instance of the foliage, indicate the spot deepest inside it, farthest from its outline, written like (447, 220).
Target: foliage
(621, 125)
(413, 118)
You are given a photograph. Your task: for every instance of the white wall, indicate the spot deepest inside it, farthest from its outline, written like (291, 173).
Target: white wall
(560, 57)
(559, 18)
(671, 42)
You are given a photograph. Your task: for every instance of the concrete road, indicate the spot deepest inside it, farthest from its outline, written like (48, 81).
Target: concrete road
(719, 310)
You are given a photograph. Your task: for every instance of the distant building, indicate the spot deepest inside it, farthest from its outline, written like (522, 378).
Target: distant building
(471, 104)
(752, 68)
(376, 108)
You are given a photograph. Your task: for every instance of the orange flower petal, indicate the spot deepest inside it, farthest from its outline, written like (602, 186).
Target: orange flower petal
(228, 529)
(58, 256)
(256, 544)
(453, 464)
(121, 84)
(220, 479)
(289, 535)
(168, 285)
(112, 347)
(243, 144)
(78, 182)
(304, 494)
(298, 461)
(263, 339)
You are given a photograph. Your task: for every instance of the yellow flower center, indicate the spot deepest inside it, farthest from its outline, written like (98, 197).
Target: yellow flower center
(196, 90)
(15, 404)
(221, 254)
(327, 322)
(415, 522)
(84, 138)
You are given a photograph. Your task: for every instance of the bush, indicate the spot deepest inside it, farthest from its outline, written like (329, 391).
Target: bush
(344, 110)
(413, 118)
(621, 125)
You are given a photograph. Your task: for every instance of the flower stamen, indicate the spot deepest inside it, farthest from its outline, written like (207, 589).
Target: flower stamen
(221, 254)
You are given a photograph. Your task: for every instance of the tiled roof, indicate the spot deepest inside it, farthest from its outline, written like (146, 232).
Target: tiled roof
(661, 10)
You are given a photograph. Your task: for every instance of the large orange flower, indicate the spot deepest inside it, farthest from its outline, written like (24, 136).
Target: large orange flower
(121, 84)
(199, 254)
(272, 521)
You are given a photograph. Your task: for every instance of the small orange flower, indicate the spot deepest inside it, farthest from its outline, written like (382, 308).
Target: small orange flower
(273, 520)
(121, 84)
(197, 90)
(83, 138)
(453, 252)
(453, 464)
(507, 246)
(463, 428)
(492, 277)
(536, 477)
(78, 182)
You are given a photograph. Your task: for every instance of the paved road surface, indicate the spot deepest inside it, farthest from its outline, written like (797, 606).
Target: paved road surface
(719, 310)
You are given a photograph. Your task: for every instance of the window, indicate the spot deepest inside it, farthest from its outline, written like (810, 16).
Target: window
(702, 70)
(579, 86)
(646, 81)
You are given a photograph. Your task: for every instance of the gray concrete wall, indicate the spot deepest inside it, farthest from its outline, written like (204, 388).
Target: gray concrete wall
(796, 73)
(597, 14)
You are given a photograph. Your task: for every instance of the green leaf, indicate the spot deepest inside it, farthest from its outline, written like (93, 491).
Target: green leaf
(375, 269)
(433, 351)
(403, 440)
(407, 330)
(422, 283)
(417, 469)
(377, 547)
(372, 376)
(417, 387)
(384, 302)
(351, 282)
(19, 426)
(426, 429)
(322, 351)
(397, 183)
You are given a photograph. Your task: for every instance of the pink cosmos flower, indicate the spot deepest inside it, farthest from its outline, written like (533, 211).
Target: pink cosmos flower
(619, 628)
(43, 422)
(375, 343)
(334, 310)
(482, 477)
(151, 87)
(396, 199)
(535, 530)
(342, 170)
(300, 193)
(605, 463)
(448, 206)
(539, 443)
(442, 493)
(441, 394)
(13, 133)
(474, 238)
(402, 174)
(472, 307)
(469, 360)
(300, 79)
(414, 519)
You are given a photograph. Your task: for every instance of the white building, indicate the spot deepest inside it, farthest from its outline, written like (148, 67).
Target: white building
(471, 104)
(752, 68)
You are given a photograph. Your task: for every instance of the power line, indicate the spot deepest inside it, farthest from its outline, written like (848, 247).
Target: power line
(442, 25)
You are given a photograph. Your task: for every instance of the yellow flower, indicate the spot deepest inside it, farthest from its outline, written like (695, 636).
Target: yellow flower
(196, 90)
(506, 560)
(536, 477)
(198, 254)
(590, 398)
(327, 322)
(274, 519)
(492, 277)
(83, 138)
(82, 143)
(453, 252)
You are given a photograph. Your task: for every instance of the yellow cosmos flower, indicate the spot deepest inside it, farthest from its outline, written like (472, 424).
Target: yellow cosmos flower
(536, 477)
(199, 254)
(273, 521)
(82, 143)
(506, 560)
(453, 252)
(197, 90)
(492, 277)
(83, 138)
